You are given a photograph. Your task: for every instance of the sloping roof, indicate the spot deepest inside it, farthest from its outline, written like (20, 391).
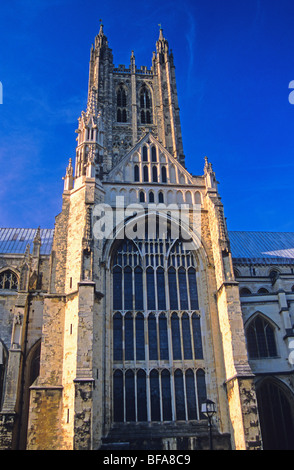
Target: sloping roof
(265, 247)
(258, 247)
(15, 240)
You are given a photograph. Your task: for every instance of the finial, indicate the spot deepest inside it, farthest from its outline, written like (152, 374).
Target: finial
(37, 238)
(101, 26)
(160, 31)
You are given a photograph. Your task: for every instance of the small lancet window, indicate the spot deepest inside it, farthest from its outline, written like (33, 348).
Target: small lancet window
(146, 174)
(145, 154)
(151, 197)
(136, 173)
(163, 175)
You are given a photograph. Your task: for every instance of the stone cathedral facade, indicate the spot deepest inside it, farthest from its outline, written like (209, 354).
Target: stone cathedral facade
(118, 324)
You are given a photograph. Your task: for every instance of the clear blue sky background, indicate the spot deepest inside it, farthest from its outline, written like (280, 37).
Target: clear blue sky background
(234, 61)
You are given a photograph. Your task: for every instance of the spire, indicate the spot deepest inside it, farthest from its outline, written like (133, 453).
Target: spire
(101, 39)
(161, 44)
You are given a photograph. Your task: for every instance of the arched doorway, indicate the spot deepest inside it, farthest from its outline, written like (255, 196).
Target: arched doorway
(275, 405)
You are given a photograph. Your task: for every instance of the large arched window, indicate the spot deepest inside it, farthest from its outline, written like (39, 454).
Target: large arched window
(261, 338)
(156, 332)
(8, 280)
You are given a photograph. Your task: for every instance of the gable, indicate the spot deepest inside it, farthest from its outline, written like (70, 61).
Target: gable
(149, 162)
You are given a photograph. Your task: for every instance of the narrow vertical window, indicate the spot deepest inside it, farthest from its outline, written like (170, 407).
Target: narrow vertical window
(161, 303)
(130, 396)
(163, 338)
(140, 338)
(117, 337)
(196, 327)
(191, 395)
(129, 337)
(117, 288)
(186, 333)
(154, 395)
(145, 174)
(163, 174)
(150, 289)
(154, 174)
(128, 289)
(118, 396)
(176, 337)
(193, 289)
(172, 284)
(183, 289)
(142, 196)
(145, 105)
(152, 338)
(201, 390)
(166, 395)
(141, 396)
(136, 173)
(139, 288)
(145, 154)
(153, 154)
(179, 395)
(160, 197)
(121, 103)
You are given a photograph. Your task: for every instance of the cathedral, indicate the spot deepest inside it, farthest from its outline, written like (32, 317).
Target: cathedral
(139, 312)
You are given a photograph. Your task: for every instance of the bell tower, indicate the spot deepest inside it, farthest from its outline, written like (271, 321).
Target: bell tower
(124, 103)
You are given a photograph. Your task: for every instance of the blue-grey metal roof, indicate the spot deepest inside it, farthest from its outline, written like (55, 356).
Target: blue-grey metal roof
(253, 247)
(266, 247)
(15, 240)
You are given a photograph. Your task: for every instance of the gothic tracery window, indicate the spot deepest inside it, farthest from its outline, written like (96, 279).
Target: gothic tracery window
(145, 106)
(261, 338)
(121, 103)
(8, 280)
(156, 326)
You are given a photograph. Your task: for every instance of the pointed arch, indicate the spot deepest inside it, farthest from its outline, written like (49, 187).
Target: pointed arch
(8, 280)
(276, 413)
(121, 104)
(260, 334)
(145, 105)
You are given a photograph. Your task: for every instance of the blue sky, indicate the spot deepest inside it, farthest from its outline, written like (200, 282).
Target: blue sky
(234, 62)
